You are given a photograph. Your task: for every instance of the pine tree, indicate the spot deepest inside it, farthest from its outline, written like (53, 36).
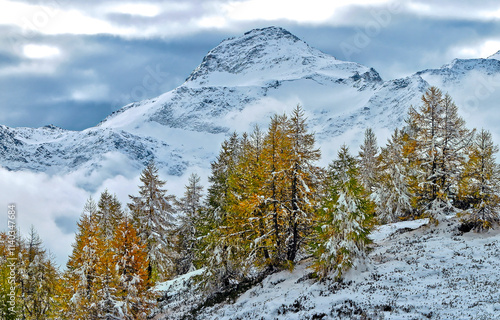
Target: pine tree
(302, 174)
(346, 218)
(215, 249)
(480, 186)
(391, 192)
(82, 267)
(152, 213)
(440, 139)
(107, 217)
(109, 213)
(189, 207)
(368, 161)
(38, 280)
(133, 299)
(277, 154)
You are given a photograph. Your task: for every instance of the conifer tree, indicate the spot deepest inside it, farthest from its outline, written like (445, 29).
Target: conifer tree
(38, 280)
(109, 213)
(246, 225)
(440, 139)
(261, 201)
(391, 193)
(107, 275)
(277, 154)
(152, 214)
(189, 207)
(346, 218)
(131, 273)
(480, 186)
(215, 249)
(368, 161)
(302, 175)
(82, 267)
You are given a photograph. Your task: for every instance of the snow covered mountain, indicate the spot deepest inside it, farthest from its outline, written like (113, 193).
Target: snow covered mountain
(50, 171)
(240, 83)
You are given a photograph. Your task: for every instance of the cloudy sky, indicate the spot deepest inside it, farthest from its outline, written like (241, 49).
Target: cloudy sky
(71, 63)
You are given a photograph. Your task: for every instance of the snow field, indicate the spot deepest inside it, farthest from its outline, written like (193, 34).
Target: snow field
(415, 271)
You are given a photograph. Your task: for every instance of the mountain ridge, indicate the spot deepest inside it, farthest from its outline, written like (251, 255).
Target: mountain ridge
(238, 84)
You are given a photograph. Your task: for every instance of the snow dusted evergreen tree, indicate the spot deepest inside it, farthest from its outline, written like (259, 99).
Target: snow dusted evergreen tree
(276, 154)
(368, 161)
(109, 213)
(440, 141)
(302, 176)
(262, 200)
(480, 186)
(456, 139)
(132, 299)
(38, 281)
(107, 276)
(253, 202)
(107, 217)
(189, 207)
(152, 214)
(82, 267)
(346, 218)
(215, 249)
(391, 193)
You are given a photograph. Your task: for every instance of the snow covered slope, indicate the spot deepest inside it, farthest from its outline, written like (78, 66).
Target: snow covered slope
(426, 273)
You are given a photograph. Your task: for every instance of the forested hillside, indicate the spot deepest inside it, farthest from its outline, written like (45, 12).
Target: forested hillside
(268, 206)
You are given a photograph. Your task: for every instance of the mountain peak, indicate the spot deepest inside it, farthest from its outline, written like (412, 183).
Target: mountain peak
(272, 32)
(261, 55)
(495, 56)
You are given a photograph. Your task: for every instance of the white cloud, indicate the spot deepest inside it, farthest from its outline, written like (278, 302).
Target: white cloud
(312, 11)
(483, 50)
(213, 22)
(91, 92)
(53, 20)
(35, 51)
(212, 14)
(40, 200)
(452, 10)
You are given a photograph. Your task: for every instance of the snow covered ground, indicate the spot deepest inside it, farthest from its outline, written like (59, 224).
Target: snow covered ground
(431, 272)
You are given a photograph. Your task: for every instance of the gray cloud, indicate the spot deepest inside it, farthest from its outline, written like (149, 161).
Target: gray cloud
(94, 76)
